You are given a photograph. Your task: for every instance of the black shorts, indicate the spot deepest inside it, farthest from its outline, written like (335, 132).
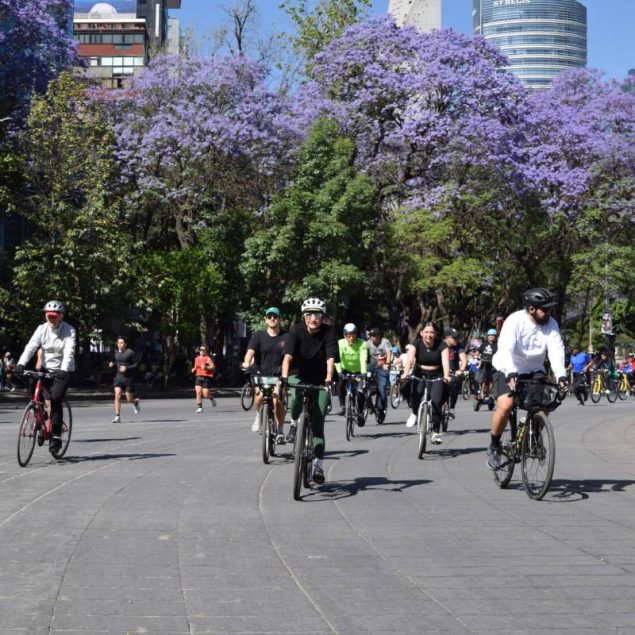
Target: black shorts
(125, 383)
(203, 382)
(499, 385)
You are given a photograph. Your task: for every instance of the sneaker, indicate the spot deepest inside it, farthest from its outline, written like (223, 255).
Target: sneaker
(381, 416)
(318, 475)
(136, 406)
(493, 458)
(361, 422)
(199, 410)
(55, 445)
(437, 438)
(412, 420)
(280, 440)
(580, 403)
(291, 434)
(451, 413)
(213, 402)
(255, 426)
(117, 419)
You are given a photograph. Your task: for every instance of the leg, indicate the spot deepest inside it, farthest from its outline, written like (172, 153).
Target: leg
(117, 401)
(381, 376)
(199, 397)
(58, 390)
(438, 394)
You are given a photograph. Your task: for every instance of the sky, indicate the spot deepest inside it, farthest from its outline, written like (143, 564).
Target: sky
(611, 25)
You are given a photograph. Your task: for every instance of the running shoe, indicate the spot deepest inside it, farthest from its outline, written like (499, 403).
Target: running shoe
(280, 440)
(291, 434)
(117, 419)
(493, 458)
(199, 410)
(137, 406)
(412, 420)
(318, 475)
(55, 445)
(255, 426)
(437, 438)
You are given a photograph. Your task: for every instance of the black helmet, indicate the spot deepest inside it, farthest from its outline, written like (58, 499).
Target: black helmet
(450, 332)
(539, 298)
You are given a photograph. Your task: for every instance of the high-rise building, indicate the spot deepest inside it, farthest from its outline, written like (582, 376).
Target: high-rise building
(541, 38)
(117, 38)
(423, 15)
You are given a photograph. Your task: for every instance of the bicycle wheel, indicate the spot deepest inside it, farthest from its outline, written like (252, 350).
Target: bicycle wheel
(300, 456)
(596, 390)
(247, 396)
(611, 391)
(504, 473)
(67, 429)
(265, 432)
(350, 418)
(27, 435)
(538, 456)
(623, 389)
(423, 426)
(395, 396)
(465, 389)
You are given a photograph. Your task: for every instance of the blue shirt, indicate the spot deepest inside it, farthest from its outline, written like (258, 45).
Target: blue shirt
(579, 361)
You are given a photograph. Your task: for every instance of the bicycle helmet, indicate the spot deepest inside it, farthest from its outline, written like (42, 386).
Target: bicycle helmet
(492, 332)
(450, 332)
(54, 305)
(539, 298)
(313, 305)
(350, 328)
(374, 331)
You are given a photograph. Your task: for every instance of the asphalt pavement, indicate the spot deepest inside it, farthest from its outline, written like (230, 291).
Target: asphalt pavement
(170, 523)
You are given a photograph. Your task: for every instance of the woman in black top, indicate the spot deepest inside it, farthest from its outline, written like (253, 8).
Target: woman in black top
(428, 357)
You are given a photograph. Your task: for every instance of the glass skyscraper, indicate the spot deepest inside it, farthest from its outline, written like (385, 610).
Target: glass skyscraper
(541, 38)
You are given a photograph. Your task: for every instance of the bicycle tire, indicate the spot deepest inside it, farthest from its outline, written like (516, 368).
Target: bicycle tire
(265, 432)
(611, 391)
(538, 456)
(395, 396)
(299, 458)
(27, 435)
(503, 475)
(465, 389)
(247, 396)
(596, 390)
(308, 454)
(67, 430)
(350, 418)
(623, 389)
(423, 430)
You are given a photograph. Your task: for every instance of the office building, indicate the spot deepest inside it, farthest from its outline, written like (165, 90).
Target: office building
(117, 38)
(423, 15)
(541, 38)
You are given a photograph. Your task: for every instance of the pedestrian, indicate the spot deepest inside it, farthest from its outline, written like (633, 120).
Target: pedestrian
(204, 370)
(125, 362)
(8, 365)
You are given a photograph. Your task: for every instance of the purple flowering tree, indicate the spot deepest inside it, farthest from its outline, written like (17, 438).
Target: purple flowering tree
(34, 47)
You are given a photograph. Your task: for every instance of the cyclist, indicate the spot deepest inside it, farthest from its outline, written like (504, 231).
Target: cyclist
(429, 357)
(487, 351)
(458, 365)
(204, 370)
(526, 338)
(603, 363)
(57, 340)
(628, 368)
(578, 361)
(380, 352)
(125, 362)
(311, 350)
(353, 355)
(265, 350)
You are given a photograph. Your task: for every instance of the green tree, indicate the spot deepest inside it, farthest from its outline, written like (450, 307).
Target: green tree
(321, 236)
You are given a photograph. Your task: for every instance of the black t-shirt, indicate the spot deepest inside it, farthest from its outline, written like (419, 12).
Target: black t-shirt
(455, 356)
(488, 349)
(310, 352)
(429, 356)
(269, 351)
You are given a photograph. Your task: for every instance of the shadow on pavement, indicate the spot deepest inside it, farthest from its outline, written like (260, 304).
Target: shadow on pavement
(337, 454)
(105, 440)
(109, 457)
(566, 491)
(444, 453)
(345, 489)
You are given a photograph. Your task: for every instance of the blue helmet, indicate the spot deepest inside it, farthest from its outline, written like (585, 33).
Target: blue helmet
(492, 332)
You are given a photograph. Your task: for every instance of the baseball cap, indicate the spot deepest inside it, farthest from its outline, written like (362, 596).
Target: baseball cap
(273, 309)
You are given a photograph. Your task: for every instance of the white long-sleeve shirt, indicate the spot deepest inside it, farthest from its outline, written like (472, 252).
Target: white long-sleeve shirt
(58, 347)
(523, 346)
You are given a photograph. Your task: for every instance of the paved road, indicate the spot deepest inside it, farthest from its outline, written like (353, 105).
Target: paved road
(170, 523)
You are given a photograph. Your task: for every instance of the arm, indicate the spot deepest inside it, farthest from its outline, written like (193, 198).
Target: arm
(134, 361)
(286, 365)
(31, 348)
(410, 360)
(445, 363)
(249, 357)
(330, 365)
(388, 353)
(69, 350)
(363, 358)
(463, 361)
(503, 357)
(555, 347)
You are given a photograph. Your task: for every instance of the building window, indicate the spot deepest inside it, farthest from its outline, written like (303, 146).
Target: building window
(93, 61)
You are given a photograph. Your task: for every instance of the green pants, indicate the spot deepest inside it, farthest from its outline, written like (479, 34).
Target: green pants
(318, 401)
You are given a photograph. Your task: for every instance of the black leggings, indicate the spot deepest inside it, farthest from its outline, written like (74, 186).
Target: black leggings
(438, 394)
(55, 389)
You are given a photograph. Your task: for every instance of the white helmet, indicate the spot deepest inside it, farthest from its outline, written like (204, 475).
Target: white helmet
(349, 328)
(54, 305)
(313, 305)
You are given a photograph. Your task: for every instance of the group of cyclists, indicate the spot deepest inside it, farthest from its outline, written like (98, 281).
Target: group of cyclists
(311, 354)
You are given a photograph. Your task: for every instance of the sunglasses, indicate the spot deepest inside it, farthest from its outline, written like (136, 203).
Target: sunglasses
(271, 316)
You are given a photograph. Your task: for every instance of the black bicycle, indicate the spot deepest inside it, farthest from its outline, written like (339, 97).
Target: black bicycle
(424, 414)
(268, 427)
(530, 440)
(371, 400)
(354, 385)
(303, 449)
(247, 394)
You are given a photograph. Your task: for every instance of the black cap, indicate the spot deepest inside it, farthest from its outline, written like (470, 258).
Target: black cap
(450, 332)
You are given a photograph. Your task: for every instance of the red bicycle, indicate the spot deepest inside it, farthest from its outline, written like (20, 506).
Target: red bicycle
(36, 424)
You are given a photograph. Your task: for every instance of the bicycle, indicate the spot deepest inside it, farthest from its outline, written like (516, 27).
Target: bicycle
(354, 384)
(247, 394)
(371, 401)
(424, 421)
(601, 384)
(303, 449)
(395, 396)
(268, 427)
(36, 424)
(623, 386)
(530, 441)
(469, 386)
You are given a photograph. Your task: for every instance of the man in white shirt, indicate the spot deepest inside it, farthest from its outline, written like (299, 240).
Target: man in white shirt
(526, 338)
